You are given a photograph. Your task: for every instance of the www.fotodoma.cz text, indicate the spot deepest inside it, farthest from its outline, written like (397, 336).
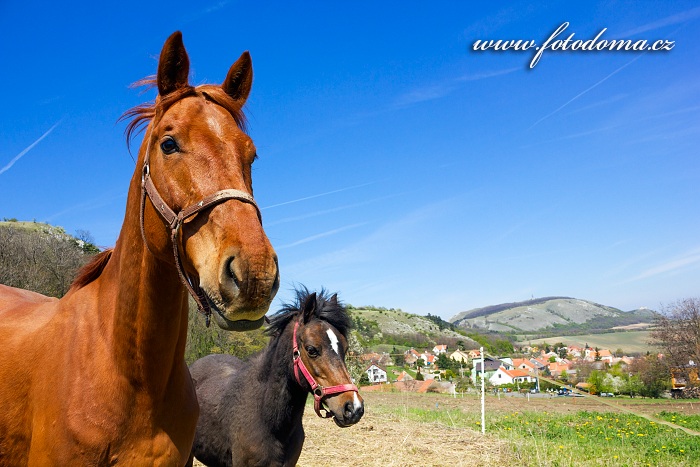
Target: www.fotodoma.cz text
(555, 44)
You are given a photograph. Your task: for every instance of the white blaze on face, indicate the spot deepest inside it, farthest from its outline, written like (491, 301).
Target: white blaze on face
(334, 340)
(356, 401)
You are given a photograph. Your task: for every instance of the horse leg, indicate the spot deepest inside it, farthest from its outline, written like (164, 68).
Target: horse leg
(296, 442)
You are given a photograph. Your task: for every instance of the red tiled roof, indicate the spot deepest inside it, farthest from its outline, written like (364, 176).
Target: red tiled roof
(519, 361)
(515, 373)
(423, 388)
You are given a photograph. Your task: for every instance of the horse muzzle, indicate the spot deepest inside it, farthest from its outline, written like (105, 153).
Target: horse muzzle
(351, 414)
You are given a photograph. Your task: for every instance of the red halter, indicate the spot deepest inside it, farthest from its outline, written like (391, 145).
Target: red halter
(317, 390)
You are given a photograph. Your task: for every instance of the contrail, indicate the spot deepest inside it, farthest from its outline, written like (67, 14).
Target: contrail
(584, 92)
(316, 196)
(29, 148)
(671, 20)
(321, 235)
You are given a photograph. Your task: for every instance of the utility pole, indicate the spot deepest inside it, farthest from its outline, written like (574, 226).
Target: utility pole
(483, 407)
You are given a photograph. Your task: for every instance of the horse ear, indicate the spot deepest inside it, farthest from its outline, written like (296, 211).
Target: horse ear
(334, 300)
(239, 79)
(309, 307)
(173, 66)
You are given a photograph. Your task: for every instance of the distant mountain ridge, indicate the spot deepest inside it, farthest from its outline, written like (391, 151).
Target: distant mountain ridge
(556, 314)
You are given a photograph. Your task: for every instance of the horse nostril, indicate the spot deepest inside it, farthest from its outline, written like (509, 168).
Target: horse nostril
(230, 270)
(349, 406)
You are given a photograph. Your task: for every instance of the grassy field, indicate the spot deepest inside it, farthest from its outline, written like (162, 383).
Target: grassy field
(406, 429)
(628, 341)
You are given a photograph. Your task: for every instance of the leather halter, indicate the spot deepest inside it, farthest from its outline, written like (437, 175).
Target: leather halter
(319, 392)
(175, 220)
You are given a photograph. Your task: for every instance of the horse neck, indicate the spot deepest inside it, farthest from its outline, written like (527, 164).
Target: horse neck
(148, 304)
(282, 391)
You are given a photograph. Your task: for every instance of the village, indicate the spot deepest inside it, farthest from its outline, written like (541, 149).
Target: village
(594, 370)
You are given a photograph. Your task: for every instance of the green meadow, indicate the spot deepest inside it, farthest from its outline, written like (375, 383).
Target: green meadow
(565, 436)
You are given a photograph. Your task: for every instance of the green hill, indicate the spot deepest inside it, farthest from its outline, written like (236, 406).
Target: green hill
(383, 329)
(550, 316)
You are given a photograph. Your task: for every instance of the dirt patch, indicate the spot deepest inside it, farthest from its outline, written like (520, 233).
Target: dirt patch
(382, 439)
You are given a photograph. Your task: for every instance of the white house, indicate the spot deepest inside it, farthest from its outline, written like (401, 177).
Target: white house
(440, 348)
(507, 362)
(503, 376)
(376, 374)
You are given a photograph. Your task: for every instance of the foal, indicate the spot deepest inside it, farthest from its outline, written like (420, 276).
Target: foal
(251, 411)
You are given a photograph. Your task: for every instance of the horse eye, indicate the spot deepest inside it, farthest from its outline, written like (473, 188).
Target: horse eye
(312, 351)
(169, 146)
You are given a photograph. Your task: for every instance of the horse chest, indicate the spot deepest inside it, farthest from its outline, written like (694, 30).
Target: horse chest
(117, 425)
(91, 437)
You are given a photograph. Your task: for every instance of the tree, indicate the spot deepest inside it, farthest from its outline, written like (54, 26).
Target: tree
(597, 382)
(202, 341)
(364, 379)
(419, 376)
(677, 333)
(653, 374)
(446, 363)
(399, 358)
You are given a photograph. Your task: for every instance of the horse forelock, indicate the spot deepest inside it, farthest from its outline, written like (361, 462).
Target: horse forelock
(142, 114)
(334, 313)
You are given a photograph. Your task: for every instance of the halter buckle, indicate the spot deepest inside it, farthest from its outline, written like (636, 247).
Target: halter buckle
(145, 172)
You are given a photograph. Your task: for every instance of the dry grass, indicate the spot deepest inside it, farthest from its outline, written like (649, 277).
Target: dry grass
(385, 438)
(408, 429)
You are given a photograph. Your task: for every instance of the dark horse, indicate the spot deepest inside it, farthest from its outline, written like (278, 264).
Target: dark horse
(251, 411)
(99, 376)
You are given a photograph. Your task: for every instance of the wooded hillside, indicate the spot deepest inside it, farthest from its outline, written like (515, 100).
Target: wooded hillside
(41, 257)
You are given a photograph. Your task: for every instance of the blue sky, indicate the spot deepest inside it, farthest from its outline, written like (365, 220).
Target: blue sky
(397, 166)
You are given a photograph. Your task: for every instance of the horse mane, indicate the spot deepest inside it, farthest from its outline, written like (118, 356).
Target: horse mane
(91, 270)
(334, 314)
(144, 113)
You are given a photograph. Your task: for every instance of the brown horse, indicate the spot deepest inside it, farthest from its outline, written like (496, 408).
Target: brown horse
(99, 377)
(251, 411)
